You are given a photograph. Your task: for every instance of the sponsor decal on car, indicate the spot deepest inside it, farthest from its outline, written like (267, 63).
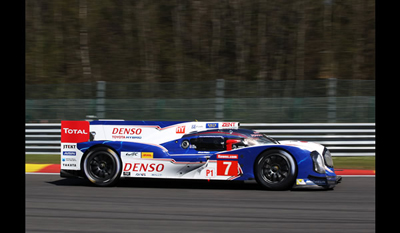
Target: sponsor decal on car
(69, 146)
(68, 160)
(228, 124)
(180, 129)
(126, 133)
(131, 154)
(227, 156)
(69, 153)
(74, 131)
(144, 167)
(212, 125)
(147, 155)
(300, 182)
(68, 164)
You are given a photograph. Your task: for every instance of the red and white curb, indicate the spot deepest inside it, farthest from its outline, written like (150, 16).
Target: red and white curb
(358, 172)
(354, 172)
(42, 168)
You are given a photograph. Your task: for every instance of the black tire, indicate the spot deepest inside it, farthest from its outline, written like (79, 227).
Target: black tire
(102, 166)
(275, 170)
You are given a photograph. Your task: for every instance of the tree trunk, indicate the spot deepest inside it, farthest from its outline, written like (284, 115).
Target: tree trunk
(146, 42)
(39, 42)
(240, 19)
(177, 24)
(216, 38)
(301, 34)
(358, 26)
(83, 42)
(262, 41)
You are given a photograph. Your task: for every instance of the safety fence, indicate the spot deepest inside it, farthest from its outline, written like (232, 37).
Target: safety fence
(291, 101)
(342, 139)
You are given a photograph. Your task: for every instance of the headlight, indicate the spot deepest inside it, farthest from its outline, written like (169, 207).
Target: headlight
(328, 158)
(318, 162)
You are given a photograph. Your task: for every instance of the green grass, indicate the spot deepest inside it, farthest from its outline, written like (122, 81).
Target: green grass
(42, 159)
(358, 162)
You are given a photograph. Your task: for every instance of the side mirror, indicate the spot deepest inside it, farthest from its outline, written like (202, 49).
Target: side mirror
(230, 142)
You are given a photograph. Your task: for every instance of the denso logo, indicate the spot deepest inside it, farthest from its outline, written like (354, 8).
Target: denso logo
(144, 167)
(74, 131)
(127, 131)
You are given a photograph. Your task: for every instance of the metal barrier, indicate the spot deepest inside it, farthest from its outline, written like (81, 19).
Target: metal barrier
(292, 101)
(43, 138)
(342, 139)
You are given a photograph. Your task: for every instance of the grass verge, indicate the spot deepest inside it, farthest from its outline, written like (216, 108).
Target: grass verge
(356, 162)
(359, 162)
(42, 159)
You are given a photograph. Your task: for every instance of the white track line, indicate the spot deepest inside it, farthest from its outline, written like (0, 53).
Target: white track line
(40, 173)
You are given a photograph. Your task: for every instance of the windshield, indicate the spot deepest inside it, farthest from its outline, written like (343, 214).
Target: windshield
(252, 138)
(258, 139)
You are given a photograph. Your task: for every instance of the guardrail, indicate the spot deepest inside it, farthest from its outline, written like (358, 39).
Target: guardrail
(342, 139)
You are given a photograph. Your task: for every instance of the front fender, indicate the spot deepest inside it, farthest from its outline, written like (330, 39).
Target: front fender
(248, 155)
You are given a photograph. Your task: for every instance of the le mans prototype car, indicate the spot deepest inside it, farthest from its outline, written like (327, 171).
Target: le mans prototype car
(105, 151)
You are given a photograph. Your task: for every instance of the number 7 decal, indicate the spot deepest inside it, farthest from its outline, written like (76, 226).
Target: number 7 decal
(228, 163)
(227, 168)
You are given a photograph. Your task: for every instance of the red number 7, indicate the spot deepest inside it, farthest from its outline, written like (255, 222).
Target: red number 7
(227, 168)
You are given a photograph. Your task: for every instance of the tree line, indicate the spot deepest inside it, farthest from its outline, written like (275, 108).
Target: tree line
(85, 41)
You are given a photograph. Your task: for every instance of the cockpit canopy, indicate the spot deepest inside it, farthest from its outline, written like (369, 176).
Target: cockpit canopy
(225, 139)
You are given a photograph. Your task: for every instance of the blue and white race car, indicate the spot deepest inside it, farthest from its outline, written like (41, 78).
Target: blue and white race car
(105, 151)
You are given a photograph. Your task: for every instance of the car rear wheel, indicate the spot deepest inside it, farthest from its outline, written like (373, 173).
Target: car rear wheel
(102, 166)
(275, 170)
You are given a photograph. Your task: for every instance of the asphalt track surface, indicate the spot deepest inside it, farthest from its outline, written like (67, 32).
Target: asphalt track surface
(55, 204)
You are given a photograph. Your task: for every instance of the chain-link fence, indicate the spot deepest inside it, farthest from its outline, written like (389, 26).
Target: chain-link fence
(328, 100)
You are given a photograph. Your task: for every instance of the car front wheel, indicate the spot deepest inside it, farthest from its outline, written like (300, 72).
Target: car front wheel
(275, 170)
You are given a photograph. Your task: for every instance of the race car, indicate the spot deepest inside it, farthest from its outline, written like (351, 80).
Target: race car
(106, 151)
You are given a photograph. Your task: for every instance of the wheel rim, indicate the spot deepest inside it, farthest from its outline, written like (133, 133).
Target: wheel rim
(275, 168)
(101, 166)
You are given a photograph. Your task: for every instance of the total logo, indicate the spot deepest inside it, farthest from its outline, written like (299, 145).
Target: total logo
(74, 131)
